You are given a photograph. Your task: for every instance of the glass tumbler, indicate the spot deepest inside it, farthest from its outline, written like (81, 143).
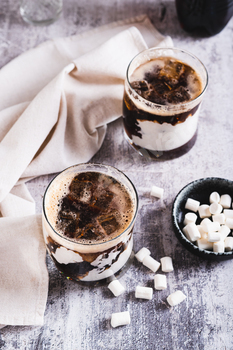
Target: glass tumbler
(40, 12)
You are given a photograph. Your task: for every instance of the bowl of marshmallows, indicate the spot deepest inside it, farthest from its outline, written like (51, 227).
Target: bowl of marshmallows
(202, 217)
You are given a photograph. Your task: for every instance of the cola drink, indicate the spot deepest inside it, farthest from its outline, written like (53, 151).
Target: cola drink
(207, 17)
(88, 216)
(162, 97)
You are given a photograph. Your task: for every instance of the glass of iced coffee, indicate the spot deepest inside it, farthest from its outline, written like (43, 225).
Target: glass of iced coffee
(164, 88)
(88, 216)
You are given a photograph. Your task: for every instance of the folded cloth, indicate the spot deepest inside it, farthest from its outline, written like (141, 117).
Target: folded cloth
(56, 102)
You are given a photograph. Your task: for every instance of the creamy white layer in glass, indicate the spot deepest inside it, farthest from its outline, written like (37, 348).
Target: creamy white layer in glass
(159, 128)
(88, 260)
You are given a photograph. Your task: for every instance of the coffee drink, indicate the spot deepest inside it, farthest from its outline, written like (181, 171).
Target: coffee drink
(88, 216)
(162, 97)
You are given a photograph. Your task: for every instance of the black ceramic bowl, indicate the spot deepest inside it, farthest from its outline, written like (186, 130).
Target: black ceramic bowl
(199, 190)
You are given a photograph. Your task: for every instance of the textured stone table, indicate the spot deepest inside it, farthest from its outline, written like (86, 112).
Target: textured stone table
(77, 317)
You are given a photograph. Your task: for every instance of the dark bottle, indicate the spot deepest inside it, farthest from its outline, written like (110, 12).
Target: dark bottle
(205, 16)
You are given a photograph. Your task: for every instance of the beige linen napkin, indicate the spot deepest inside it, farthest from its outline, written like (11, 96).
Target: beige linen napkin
(56, 102)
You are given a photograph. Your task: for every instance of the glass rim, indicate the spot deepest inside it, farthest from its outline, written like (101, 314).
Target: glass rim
(169, 106)
(129, 227)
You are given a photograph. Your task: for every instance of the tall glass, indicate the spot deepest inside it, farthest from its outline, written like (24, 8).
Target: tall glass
(79, 253)
(168, 128)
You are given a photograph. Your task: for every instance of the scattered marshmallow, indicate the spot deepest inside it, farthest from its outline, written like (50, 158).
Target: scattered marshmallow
(151, 263)
(116, 287)
(214, 197)
(120, 319)
(192, 232)
(142, 253)
(204, 211)
(160, 282)
(176, 298)
(144, 292)
(166, 264)
(190, 217)
(157, 192)
(225, 201)
(228, 244)
(218, 247)
(215, 208)
(192, 204)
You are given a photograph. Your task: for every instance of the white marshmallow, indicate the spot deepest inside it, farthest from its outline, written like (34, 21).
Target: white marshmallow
(120, 319)
(151, 263)
(176, 298)
(228, 244)
(157, 192)
(203, 243)
(215, 208)
(185, 231)
(190, 217)
(214, 197)
(225, 201)
(144, 292)
(142, 253)
(192, 232)
(166, 264)
(224, 232)
(218, 247)
(160, 282)
(228, 213)
(192, 204)
(202, 231)
(220, 218)
(204, 211)
(116, 288)
(214, 236)
(206, 224)
(229, 223)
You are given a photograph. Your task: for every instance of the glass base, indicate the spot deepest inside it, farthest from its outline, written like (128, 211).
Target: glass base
(40, 14)
(163, 155)
(107, 280)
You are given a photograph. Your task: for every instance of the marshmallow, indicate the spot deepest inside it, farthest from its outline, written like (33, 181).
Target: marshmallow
(203, 243)
(157, 192)
(192, 231)
(224, 232)
(151, 263)
(204, 211)
(214, 236)
(144, 292)
(218, 247)
(228, 213)
(190, 217)
(225, 201)
(229, 223)
(214, 197)
(166, 264)
(185, 231)
(220, 218)
(142, 253)
(160, 282)
(215, 208)
(228, 244)
(192, 204)
(120, 319)
(202, 231)
(116, 288)
(176, 298)
(206, 224)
